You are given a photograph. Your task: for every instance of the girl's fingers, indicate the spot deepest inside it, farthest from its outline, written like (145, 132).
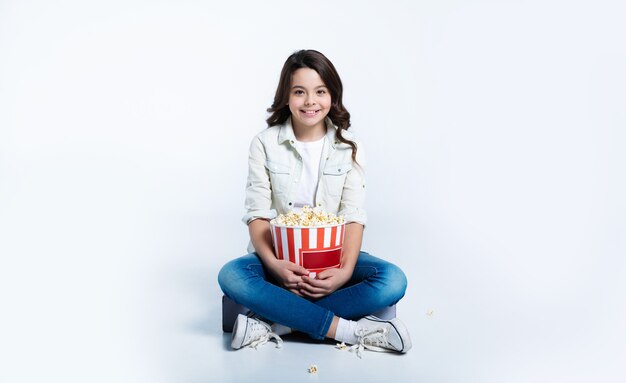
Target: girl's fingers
(293, 279)
(311, 289)
(293, 284)
(297, 269)
(326, 274)
(314, 282)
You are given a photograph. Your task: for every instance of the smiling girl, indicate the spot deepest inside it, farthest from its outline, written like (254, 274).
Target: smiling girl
(306, 156)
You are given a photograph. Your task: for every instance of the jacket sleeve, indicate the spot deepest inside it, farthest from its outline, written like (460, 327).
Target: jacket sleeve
(352, 205)
(258, 202)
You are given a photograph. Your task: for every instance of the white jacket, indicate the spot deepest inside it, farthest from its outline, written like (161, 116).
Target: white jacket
(274, 167)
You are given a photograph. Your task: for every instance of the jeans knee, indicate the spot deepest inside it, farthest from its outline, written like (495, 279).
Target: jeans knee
(225, 277)
(239, 277)
(231, 276)
(396, 283)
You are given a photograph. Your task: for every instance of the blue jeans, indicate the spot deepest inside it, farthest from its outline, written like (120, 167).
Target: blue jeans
(375, 284)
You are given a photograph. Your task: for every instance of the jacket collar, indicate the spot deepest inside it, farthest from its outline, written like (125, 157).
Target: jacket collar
(286, 133)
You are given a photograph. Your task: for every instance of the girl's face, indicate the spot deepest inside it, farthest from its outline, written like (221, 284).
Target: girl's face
(309, 100)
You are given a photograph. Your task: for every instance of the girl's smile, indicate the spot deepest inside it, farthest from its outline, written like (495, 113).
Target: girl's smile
(310, 113)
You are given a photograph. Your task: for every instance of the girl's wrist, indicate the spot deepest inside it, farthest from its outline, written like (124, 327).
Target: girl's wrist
(347, 271)
(270, 261)
(348, 268)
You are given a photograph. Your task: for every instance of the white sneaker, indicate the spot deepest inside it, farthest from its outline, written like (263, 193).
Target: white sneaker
(252, 332)
(381, 335)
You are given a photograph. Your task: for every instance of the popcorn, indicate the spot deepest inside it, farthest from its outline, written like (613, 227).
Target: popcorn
(312, 369)
(309, 217)
(341, 346)
(430, 312)
(358, 348)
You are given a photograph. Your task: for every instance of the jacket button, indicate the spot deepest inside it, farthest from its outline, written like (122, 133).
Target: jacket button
(338, 170)
(289, 203)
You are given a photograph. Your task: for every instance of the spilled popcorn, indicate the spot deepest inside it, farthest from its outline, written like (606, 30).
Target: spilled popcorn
(341, 346)
(312, 369)
(358, 348)
(309, 217)
(430, 312)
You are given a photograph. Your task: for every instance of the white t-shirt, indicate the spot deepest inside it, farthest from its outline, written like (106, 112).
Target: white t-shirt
(306, 187)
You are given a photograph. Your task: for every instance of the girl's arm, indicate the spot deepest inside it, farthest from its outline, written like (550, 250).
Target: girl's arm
(330, 280)
(288, 274)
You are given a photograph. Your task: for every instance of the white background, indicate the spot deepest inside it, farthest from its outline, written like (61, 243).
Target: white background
(495, 134)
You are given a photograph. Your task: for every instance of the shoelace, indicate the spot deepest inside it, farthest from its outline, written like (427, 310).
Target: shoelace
(373, 339)
(261, 333)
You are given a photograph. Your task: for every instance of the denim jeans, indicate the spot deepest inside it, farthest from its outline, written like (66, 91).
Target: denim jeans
(374, 285)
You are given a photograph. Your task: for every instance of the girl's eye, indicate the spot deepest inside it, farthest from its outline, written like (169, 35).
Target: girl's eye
(321, 91)
(298, 92)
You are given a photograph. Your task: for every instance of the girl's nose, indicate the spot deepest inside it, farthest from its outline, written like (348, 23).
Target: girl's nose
(309, 100)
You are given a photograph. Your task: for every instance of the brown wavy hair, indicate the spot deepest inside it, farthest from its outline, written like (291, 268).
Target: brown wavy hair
(308, 58)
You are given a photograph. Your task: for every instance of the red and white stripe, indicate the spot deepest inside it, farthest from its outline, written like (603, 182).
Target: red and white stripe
(291, 242)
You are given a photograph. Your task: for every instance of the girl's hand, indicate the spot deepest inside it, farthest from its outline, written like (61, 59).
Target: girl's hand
(287, 274)
(326, 283)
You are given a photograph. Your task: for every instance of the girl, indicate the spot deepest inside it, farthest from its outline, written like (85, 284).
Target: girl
(307, 157)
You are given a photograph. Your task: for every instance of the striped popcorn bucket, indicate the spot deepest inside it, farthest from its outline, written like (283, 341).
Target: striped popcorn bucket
(316, 248)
